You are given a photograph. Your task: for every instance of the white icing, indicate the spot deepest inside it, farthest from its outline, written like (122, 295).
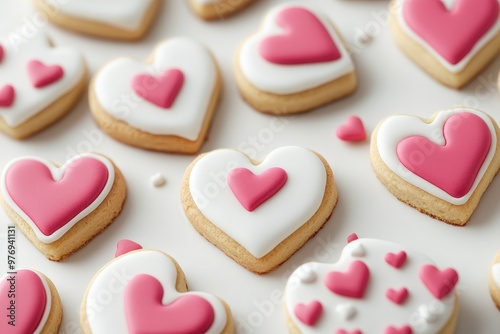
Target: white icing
(289, 79)
(347, 311)
(29, 100)
(307, 275)
(396, 128)
(262, 230)
(57, 174)
(457, 68)
(495, 271)
(358, 251)
(109, 317)
(187, 114)
(124, 14)
(374, 312)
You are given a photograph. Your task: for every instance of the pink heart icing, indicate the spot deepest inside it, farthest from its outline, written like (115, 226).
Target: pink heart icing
(352, 130)
(440, 283)
(401, 330)
(351, 283)
(50, 203)
(42, 75)
(126, 246)
(31, 300)
(7, 96)
(396, 259)
(2, 53)
(160, 90)
(253, 190)
(397, 296)
(454, 166)
(343, 331)
(309, 313)
(351, 237)
(146, 314)
(305, 41)
(452, 33)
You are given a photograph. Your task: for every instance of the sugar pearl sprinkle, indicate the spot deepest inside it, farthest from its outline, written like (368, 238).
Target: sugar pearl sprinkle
(158, 180)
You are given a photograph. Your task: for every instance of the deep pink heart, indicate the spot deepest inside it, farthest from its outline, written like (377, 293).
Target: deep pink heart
(305, 41)
(396, 259)
(7, 96)
(452, 33)
(309, 313)
(401, 330)
(352, 130)
(439, 282)
(160, 90)
(351, 283)
(397, 296)
(42, 75)
(126, 246)
(146, 314)
(2, 53)
(343, 331)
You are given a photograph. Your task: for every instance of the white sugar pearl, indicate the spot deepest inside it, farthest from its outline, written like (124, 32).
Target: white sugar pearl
(158, 180)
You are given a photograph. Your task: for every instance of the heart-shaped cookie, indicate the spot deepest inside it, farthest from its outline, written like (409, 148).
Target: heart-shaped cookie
(150, 296)
(441, 166)
(166, 104)
(60, 209)
(392, 300)
(259, 237)
(218, 9)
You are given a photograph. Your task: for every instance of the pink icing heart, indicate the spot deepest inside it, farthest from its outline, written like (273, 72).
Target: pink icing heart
(253, 190)
(397, 296)
(42, 75)
(351, 237)
(342, 331)
(2, 53)
(7, 95)
(439, 282)
(452, 33)
(351, 283)
(126, 246)
(161, 90)
(396, 259)
(309, 314)
(454, 166)
(50, 203)
(146, 314)
(352, 130)
(401, 330)
(31, 300)
(305, 40)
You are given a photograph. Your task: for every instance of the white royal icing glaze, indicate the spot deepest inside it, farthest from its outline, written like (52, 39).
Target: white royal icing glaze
(262, 230)
(57, 174)
(124, 14)
(374, 312)
(187, 114)
(457, 68)
(29, 100)
(495, 271)
(286, 79)
(396, 128)
(104, 318)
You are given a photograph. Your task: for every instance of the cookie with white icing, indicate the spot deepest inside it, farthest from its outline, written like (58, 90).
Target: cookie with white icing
(30, 303)
(257, 212)
(441, 165)
(375, 287)
(296, 62)
(218, 9)
(452, 40)
(39, 84)
(61, 208)
(149, 295)
(494, 280)
(115, 19)
(166, 104)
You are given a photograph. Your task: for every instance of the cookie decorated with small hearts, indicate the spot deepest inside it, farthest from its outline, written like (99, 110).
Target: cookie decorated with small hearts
(441, 166)
(452, 40)
(256, 212)
(150, 295)
(166, 104)
(385, 288)
(296, 62)
(218, 9)
(115, 19)
(61, 208)
(30, 302)
(39, 84)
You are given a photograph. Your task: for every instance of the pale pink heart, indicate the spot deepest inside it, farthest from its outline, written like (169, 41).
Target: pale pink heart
(42, 75)
(440, 283)
(396, 259)
(7, 96)
(352, 130)
(397, 296)
(126, 246)
(309, 313)
(351, 283)
(160, 90)
(401, 330)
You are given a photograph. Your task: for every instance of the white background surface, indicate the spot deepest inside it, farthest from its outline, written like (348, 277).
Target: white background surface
(388, 83)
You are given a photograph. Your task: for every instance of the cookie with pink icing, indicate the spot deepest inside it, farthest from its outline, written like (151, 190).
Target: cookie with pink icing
(39, 84)
(115, 19)
(375, 287)
(149, 295)
(30, 303)
(441, 165)
(61, 208)
(296, 62)
(452, 40)
(218, 9)
(165, 104)
(256, 211)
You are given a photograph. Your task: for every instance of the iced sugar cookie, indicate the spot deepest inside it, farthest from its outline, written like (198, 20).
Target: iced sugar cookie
(217, 9)
(39, 84)
(452, 40)
(150, 295)
(440, 166)
(375, 287)
(166, 104)
(295, 62)
(30, 304)
(494, 280)
(116, 19)
(61, 208)
(259, 213)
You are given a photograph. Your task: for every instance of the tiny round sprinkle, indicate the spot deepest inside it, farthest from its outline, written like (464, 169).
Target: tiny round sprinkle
(306, 275)
(158, 180)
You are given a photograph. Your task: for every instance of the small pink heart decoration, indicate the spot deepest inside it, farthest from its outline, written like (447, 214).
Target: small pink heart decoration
(352, 130)
(309, 314)
(7, 96)
(126, 246)
(397, 296)
(397, 260)
(343, 331)
(351, 283)
(42, 75)
(159, 90)
(2, 53)
(401, 330)
(439, 282)
(351, 237)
